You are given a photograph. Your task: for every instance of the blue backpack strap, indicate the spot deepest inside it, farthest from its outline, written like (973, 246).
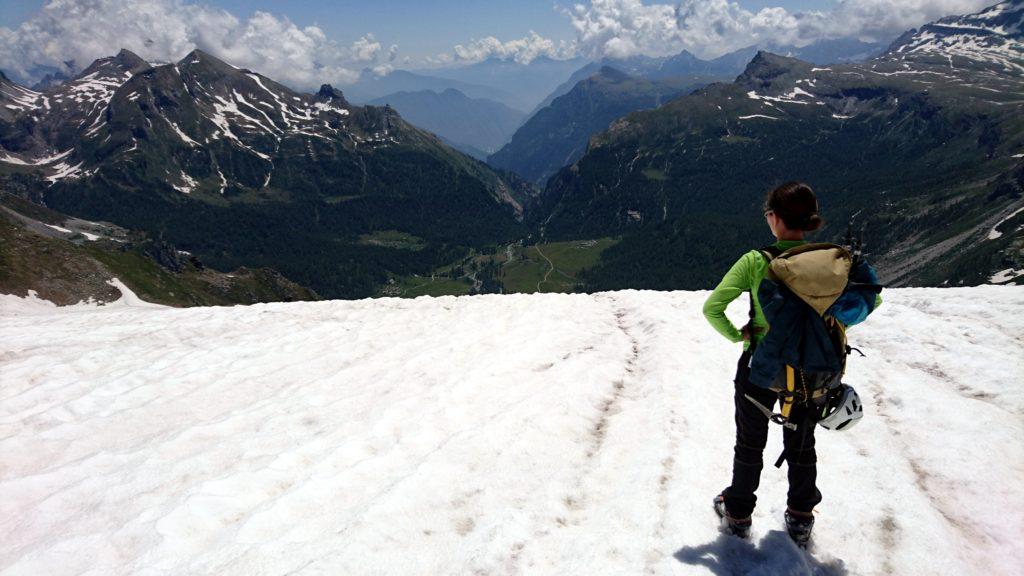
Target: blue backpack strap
(769, 250)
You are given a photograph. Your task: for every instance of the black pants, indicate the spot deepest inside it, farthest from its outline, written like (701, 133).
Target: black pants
(751, 437)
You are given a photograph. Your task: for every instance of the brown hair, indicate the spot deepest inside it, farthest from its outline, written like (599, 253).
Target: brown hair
(796, 204)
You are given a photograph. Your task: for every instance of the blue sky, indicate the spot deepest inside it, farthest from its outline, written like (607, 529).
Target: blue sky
(419, 27)
(304, 43)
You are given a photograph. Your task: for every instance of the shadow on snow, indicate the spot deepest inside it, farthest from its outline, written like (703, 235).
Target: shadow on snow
(775, 554)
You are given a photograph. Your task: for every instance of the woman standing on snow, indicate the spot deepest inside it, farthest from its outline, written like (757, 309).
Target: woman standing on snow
(791, 210)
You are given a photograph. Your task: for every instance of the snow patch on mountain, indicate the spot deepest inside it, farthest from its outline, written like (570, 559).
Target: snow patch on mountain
(64, 170)
(224, 107)
(184, 137)
(20, 98)
(284, 108)
(188, 184)
(994, 234)
(59, 229)
(271, 129)
(13, 160)
(88, 235)
(1004, 276)
(93, 88)
(223, 180)
(990, 38)
(35, 161)
(325, 107)
(789, 98)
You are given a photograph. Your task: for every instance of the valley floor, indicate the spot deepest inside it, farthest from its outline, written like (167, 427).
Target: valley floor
(522, 434)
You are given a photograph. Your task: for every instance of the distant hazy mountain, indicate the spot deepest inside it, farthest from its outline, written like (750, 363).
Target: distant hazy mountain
(474, 125)
(727, 66)
(530, 87)
(838, 51)
(518, 86)
(372, 86)
(557, 135)
(50, 80)
(653, 68)
(527, 84)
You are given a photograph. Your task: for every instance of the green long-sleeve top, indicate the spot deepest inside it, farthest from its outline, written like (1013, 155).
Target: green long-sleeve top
(744, 276)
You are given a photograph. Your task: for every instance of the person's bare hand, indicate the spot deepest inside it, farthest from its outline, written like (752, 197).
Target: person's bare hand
(745, 331)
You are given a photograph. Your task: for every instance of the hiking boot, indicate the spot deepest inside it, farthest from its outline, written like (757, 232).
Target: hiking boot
(737, 526)
(799, 525)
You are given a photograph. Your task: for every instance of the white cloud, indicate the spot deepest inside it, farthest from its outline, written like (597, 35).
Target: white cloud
(438, 60)
(366, 49)
(621, 28)
(165, 30)
(875, 17)
(523, 50)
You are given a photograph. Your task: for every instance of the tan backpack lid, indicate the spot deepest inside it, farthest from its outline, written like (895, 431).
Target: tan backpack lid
(816, 273)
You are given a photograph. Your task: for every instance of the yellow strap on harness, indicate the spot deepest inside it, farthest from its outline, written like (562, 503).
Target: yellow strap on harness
(787, 400)
(831, 321)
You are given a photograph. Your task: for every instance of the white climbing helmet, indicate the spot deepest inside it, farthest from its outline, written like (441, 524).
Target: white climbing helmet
(842, 410)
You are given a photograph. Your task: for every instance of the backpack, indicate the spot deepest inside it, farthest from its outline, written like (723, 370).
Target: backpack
(809, 295)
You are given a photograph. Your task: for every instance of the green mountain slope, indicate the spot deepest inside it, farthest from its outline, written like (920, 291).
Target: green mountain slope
(242, 171)
(929, 157)
(66, 260)
(557, 135)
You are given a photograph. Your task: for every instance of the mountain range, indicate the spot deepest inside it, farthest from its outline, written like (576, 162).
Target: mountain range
(520, 86)
(723, 67)
(923, 145)
(372, 85)
(557, 132)
(231, 165)
(525, 83)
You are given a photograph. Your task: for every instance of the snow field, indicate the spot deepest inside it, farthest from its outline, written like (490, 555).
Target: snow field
(541, 434)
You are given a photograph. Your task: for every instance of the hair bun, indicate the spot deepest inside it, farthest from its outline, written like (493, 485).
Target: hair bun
(797, 205)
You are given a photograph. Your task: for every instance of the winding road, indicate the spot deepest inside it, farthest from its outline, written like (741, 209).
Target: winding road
(550, 269)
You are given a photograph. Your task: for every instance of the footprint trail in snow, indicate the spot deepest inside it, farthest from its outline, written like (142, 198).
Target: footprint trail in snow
(540, 434)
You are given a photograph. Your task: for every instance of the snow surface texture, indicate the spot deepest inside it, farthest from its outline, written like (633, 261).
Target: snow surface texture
(542, 434)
